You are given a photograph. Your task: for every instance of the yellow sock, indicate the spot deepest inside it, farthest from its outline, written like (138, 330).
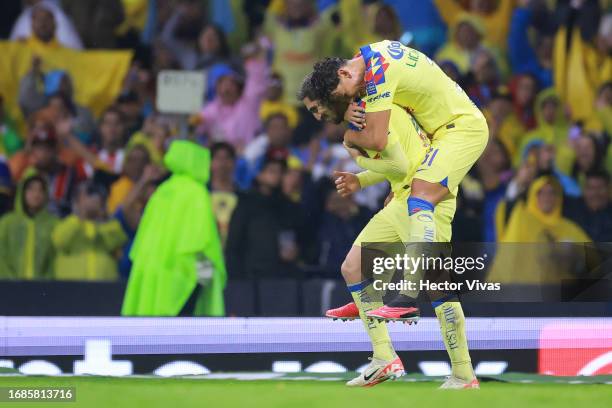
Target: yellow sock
(452, 325)
(422, 235)
(422, 225)
(379, 335)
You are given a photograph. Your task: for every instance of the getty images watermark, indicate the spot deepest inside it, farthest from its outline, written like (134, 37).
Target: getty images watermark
(423, 264)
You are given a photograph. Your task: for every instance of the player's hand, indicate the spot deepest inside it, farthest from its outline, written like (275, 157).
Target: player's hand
(354, 151)
(346, 183)
(355, 115)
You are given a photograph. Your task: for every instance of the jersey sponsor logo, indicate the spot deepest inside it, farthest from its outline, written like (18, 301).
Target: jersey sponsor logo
(395, 50)
(377, 97)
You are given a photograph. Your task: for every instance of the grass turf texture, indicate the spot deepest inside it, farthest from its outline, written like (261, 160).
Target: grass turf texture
(93, 392)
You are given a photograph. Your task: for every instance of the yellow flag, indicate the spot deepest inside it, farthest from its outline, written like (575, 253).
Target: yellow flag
(97, 76)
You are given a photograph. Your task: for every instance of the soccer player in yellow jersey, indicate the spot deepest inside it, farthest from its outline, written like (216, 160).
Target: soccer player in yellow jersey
(387, 73)
(406, 148)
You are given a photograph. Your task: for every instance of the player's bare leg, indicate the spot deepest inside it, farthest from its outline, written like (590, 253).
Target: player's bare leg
(385, 364)
(423, 198)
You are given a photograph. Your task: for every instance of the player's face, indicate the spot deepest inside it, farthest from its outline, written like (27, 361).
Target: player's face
(334, 113)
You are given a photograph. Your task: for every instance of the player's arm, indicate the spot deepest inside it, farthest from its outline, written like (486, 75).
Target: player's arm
(350, 183)
(369, 178)
(374, 136)
(392, 162)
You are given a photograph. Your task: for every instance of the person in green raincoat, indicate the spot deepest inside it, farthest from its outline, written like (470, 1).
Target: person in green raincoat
(26, 251)
(177, 245)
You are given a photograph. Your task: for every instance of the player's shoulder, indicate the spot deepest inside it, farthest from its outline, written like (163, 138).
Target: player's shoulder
(384, 48)
(389, 49)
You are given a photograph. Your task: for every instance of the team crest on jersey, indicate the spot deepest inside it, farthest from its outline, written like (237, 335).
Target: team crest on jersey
(376, 66)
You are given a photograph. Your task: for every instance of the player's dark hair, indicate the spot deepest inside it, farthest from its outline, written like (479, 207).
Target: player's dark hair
(323, 80)
(305, 90)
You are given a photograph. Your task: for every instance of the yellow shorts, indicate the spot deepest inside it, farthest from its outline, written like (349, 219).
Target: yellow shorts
(454, 150)
(391, 224)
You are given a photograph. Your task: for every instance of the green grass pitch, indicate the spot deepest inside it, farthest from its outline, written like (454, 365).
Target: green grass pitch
(93, 392)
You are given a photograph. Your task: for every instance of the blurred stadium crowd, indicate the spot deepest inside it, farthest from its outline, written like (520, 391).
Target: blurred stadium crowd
(82, 143)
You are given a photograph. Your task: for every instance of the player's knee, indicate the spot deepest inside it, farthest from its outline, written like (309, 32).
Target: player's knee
(431, 192)
(416, 204)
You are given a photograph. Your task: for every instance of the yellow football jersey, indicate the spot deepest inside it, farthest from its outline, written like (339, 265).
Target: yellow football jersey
(396, 74)
(403, 129)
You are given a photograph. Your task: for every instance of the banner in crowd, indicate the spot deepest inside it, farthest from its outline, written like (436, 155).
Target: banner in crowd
(97, 75)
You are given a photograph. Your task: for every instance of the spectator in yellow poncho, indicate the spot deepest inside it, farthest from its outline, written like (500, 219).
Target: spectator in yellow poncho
(601, 118)
(300, 37)
(97, 75)
(552, 128)
(361, 24)
(25, 234)
(530, 249)
(495, 16)
(504, 125)
(581, 63)
(274, 103)
(136, 160)
(467, 36)
(154, 136)
(86, 241)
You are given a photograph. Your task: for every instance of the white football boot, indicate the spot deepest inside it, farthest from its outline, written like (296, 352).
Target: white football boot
(378, 371)
(454, 383)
